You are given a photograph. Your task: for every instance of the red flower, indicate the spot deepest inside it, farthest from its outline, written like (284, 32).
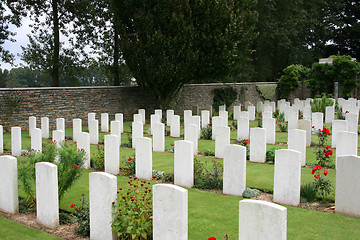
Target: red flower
(211, 238)
(313, 171)
(65, 140)
(313, 126)
(246, 141)
(76, 166)
(276, 122)
(72, 205)
(172, 144)
(330, 152)
(168, 132)
(346, 112)
(327, 146)
(31, 150)
(316, 176)
(301, 115)
(326, 172)
(129, 159)
(318, 167)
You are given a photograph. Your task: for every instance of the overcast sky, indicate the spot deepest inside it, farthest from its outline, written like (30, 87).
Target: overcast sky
(21, 40)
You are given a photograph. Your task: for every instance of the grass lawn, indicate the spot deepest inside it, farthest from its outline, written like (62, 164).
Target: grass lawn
(210, 213)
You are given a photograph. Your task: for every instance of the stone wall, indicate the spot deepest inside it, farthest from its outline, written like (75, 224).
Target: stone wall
(76, 102)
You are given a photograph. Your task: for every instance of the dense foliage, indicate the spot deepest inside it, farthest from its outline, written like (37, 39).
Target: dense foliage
(291, 78)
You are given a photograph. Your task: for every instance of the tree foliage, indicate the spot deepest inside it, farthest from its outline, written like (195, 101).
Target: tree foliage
(166, 44)
(289, 81)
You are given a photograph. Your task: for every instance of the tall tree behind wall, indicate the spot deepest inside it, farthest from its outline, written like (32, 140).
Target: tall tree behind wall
(168, 43)
(46, 52)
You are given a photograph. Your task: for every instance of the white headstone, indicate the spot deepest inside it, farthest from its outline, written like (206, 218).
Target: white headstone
(45, 127)
(337, 126)
(317, 121)
(83, 144)
(138, 118)
(77, 128)
(60, 124)
(36, 140)
(187, 116)
(47, 199)
(205, 118)
(251, 110)
(143, 158)
(293, 118)
(225, 117)
(346, 144)
(216, 122)
(143, 116)
(154, 119)
(91, 116)
(269, 125)
(94, 131)
(111, 154)
(266, 114)
(244, 114)
(184, 163)
(102, 188)
(353, 122)
(159, 113)
(347, 193)
(119, 117)
(16, 141)
(175, 126)
(137, 132)
(234, 175)
(191, 134)
(158, 137)
(32, 124)
(169, 116)
(237, 110)
(305, 124)
(262, 220)
(222, 108)
(222, 139)
(170, 212)
(196, 120)
(105, 122)
(287, 177)
(243, 128)
(297, 142)
(329, 114)
(258, 145)
(115, 127)
(58, 136)
(307, 112)
(8, 184)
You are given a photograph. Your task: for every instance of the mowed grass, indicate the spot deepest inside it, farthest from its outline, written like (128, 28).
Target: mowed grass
(210, 213)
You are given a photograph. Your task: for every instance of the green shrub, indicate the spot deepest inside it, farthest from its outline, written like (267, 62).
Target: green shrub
(321, 79)
(270, 155)
(289, 81)
(267, 91)
(81, 215)
(346, 72)
(308, 191)
(206, 133)
(320, 104)
(98, 158)
(129, 163)
(208, 179)
(209, 153)
(70, 160)
(133, 211)
(250, 193)
(226, 95)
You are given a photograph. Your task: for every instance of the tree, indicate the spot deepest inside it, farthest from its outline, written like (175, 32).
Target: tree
(168, 43)
(98, 29)
(10, 13)
(45, 52)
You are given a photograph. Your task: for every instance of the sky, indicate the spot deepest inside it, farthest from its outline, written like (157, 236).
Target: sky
(21, 40)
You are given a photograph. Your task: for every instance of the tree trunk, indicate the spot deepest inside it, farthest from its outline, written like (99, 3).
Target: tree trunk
(55, 63)
(116, 69)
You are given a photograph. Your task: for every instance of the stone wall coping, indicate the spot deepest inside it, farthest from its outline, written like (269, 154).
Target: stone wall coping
(113, 87)
(225, 84)
(63, 88)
